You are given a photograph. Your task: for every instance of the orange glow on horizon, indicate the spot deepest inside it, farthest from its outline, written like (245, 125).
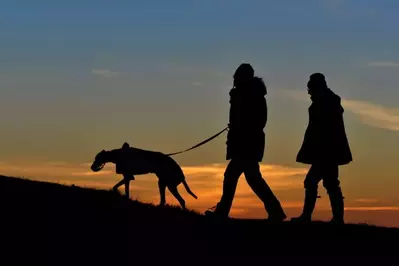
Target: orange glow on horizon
(206, 182)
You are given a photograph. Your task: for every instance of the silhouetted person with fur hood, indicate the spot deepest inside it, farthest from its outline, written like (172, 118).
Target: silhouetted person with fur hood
(246, 143)
(325, 147)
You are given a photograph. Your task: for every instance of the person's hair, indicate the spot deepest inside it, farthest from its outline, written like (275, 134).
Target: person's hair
(244, 69)
(318, 79)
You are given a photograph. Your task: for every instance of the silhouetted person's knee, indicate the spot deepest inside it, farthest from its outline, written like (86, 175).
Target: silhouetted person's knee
(255, 180)
(258, 184)
(229, 185)
(231, 176)
(313, 177)
(230, 181)
(311, 185)
(332, 185)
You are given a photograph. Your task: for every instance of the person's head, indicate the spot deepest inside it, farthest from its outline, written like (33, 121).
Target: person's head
(316, 83)
(243, 73)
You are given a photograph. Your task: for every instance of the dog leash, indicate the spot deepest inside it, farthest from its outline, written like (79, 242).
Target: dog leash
(201, 143)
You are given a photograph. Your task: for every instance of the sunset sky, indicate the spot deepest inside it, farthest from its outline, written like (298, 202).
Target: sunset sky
(77, 77)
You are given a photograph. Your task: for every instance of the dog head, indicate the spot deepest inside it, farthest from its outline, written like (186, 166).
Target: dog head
(99, 161)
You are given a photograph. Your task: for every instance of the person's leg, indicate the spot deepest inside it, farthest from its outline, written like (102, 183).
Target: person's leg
(262, 190)
(332, 185)
(231, 175)
(311, 188)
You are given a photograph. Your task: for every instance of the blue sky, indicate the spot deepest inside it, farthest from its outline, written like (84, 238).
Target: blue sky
(289, 39)
(80, 76)
(51, 51)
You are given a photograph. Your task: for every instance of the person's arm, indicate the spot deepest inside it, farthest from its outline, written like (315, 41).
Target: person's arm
(232, 112)
(330, 113)
(263, 113)
(256, 115)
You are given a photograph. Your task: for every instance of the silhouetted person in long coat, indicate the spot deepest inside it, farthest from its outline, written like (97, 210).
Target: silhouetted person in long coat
(246, 143)
(325, 147)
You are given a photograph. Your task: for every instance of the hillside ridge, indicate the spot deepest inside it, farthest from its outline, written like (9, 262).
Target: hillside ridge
(60, 223)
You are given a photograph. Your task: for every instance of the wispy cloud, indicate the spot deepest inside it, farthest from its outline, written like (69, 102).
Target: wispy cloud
(55, 163)
(105, 73)
(299, 95)
(173, 67)
(367, 200)
(334, 4)
(383, 64)
(343, 8)
(369, 113)
(87, 173)
(373, 114)
(196, 84)
(373, 208)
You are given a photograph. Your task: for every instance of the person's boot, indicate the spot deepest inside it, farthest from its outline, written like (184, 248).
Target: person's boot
(116, 190)
(308, 207)
(217, 211)
(337, 206)
(277, 217)
(276, 214)
(272, 205)
(222, 208)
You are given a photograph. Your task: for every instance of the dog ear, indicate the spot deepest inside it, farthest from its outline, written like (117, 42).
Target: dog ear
(125, 145)
(100, 153)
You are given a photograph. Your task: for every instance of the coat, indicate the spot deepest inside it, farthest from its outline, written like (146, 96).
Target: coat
(247, 120)
(325, 139)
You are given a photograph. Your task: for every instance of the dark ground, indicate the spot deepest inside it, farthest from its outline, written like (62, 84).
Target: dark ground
(51, 224)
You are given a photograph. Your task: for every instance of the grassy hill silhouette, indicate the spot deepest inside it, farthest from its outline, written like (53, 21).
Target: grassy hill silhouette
(52, 224)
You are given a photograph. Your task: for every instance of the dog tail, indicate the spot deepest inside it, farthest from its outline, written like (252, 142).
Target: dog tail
(188, 189)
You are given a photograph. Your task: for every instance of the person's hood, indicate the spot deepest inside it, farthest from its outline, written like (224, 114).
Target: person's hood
(329, 96)
(324, 94)
(256, 87)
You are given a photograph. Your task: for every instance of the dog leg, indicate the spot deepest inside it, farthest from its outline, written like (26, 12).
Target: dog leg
(176, 194)
(120, 183)
(162, 188)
